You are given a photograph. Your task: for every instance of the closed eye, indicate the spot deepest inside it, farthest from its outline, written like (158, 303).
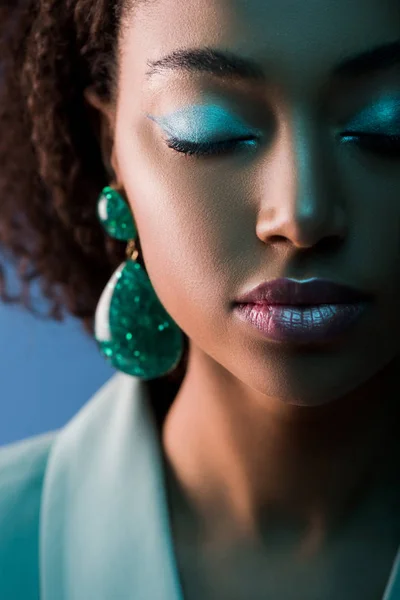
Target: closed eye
(388, 146)
(209, 148)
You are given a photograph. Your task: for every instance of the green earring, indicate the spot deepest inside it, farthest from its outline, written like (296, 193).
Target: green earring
(132, 328)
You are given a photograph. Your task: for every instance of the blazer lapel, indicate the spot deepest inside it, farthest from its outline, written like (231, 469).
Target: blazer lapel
(104, 528)
(392, 591)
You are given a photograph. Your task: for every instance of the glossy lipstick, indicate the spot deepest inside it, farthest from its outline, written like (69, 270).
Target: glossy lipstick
(302, 312)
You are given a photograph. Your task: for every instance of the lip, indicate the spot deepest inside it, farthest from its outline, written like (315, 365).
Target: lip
(302, 324)
(291, 292)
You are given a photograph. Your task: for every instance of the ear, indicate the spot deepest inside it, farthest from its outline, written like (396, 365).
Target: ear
(102, 120)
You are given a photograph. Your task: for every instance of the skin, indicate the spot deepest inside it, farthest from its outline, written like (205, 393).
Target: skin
(299, 449)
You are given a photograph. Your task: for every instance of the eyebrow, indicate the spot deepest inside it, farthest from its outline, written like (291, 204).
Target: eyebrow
(223, 63)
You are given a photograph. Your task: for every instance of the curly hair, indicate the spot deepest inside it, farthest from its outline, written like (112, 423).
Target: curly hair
(52, 169)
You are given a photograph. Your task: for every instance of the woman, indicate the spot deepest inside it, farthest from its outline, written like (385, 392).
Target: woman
(248, 445)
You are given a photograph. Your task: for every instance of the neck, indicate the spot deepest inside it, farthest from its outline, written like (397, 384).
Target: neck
(301, 474)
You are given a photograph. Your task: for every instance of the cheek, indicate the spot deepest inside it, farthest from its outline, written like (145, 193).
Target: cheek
(183, 243)
(372, 251)
(183, 229)
(184, 260)
(370, 190)
(184, 251)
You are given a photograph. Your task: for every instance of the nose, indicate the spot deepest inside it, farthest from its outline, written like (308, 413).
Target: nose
(301, 202)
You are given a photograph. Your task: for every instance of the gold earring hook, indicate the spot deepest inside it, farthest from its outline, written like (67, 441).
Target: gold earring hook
(131, 251)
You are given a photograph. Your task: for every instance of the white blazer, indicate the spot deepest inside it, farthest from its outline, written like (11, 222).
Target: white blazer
(83, 509)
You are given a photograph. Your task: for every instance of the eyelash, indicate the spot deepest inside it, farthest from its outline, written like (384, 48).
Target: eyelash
(386, 145)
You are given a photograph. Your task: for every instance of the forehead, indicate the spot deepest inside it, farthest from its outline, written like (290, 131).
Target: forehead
(297, 41)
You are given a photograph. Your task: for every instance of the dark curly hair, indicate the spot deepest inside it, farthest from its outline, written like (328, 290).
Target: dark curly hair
(52, 169)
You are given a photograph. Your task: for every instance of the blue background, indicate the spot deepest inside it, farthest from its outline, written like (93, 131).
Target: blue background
(48, 369)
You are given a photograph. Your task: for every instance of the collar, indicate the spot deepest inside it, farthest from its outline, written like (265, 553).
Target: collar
(104, 526)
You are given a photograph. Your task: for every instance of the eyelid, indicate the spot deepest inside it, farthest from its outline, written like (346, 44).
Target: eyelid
(215, 120)
(219, 124)
(378, 115)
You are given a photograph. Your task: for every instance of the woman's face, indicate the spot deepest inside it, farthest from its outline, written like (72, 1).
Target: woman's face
(296, 202)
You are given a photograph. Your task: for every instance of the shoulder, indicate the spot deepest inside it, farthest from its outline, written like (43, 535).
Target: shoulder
(22, 470)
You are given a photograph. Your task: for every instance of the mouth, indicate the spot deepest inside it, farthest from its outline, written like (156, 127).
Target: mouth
(294, 312)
